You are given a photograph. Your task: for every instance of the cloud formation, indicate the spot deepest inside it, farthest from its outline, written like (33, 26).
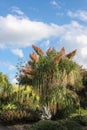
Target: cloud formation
(17, 11)
(79, 14)
(56, 4)
(20, 32)
(74, 36)
(18, 52)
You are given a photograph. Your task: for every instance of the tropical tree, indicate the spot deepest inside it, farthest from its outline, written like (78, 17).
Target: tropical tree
(50, 71)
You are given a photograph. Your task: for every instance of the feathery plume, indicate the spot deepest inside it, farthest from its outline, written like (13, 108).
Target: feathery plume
(28, 71)
(71, 54)
(57, 58)
(48, 51)
(38, 50)
(34, 57)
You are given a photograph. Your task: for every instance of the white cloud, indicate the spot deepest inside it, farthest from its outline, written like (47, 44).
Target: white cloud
(18, 52)
(21, 32)
(73, 37)
(84, 52)
(16, 32)
(80, 14)
(55, 4)
(45, 44)
(82, 39)
(17, 10)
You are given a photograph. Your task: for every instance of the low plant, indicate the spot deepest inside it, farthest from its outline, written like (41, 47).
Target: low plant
(56, 125)
(47, 125)
(18, 116)
(9, 106)
(72, 125)
(81, 119)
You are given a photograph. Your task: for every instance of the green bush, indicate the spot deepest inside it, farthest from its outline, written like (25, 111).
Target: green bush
(18, 116)
(67, 106)
(9, 106)
(82, 119)
(47, 125)
(54, 125)
(72, 125)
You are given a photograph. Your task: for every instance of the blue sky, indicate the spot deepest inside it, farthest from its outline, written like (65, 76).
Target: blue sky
(45, 23)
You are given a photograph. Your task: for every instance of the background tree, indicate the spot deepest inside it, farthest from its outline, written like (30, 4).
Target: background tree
(5, 88)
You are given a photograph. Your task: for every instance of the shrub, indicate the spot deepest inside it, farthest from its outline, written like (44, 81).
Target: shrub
(18, 116)
(54, 125)
(9, 106)
(82, 119)
(67, 104)
(47, 125)
(72, 125)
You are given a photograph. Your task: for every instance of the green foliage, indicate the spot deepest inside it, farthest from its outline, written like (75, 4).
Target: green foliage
(81, 111)
(68, 65)
(83, 92)
(72, 125)
(55, 85)
(51, 71)
(47, 125)
(18, 116)
(85, 78)
(82, 119)
(56, 125)
(25, 96)
(5, 90)
(80, 116)
(5, 86)
(9, 106)
(44, 77)
(64, 102)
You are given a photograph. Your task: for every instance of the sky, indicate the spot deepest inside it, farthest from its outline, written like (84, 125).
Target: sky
(45, 23)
